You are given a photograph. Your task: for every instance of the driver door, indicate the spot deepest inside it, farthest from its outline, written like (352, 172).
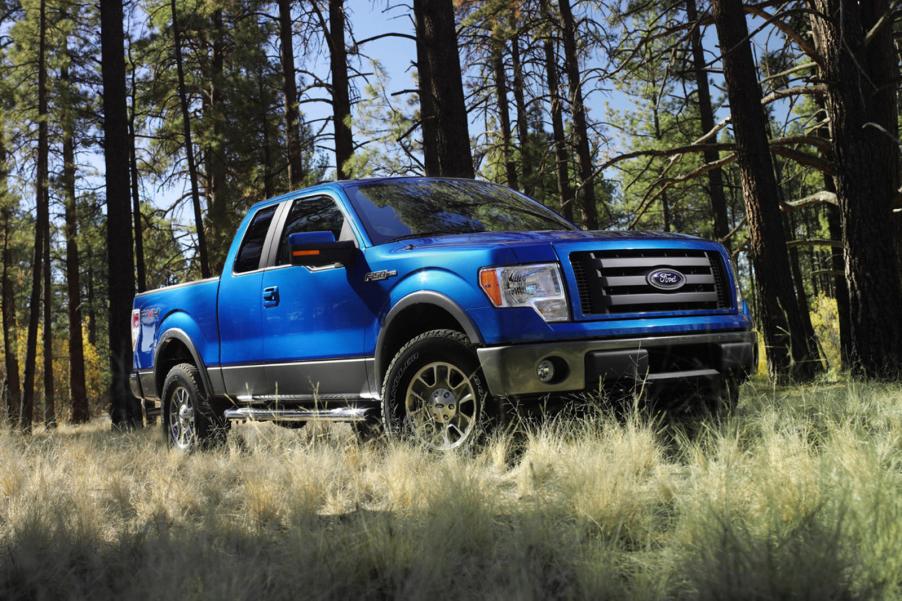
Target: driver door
(314, 319)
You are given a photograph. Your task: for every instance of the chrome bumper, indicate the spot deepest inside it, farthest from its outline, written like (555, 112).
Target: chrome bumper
(511, 370)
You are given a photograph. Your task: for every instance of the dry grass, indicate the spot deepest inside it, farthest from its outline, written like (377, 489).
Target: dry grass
(796, 496)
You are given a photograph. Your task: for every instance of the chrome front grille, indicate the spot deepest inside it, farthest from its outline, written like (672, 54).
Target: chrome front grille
(617, 281)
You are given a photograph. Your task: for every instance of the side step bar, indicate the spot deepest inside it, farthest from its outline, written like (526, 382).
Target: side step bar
(339, 414)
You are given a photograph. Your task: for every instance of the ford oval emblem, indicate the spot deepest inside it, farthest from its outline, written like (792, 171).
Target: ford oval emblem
(666, 279)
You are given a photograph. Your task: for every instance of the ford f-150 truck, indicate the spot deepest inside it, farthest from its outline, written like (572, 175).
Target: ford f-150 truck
(415, 304)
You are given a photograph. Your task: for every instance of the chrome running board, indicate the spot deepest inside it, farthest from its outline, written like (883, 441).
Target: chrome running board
(339, 414)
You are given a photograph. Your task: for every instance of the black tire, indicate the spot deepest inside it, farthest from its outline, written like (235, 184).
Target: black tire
(201, 425)
(368, 430)
(726, 401)
(290, 425)
(433, 352)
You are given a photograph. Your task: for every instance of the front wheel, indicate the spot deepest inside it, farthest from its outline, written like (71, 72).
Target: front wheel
(727, 399)
(189, 420)
(434, 392)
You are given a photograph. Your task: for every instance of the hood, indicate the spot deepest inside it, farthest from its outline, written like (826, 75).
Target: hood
(483, 239)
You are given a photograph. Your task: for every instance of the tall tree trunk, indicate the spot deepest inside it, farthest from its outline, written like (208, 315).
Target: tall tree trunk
(522, 117)
(840, 286)
(565, 192)
(26, 415)
(263, 103)
(77, 388)
(218, 197)
(795, 266)
(10, 351)
(791, 348)
(706, 117)
(189, 144)
(859, 68)
(49, 388)
(665, 201)
(7, 295)
(578, 112)
(125, 411)
(341, 97)
(92, 314)
(427, 102)
(504, 119)
(136, 189)
(438, 33)
(837, 262)
(290, 90)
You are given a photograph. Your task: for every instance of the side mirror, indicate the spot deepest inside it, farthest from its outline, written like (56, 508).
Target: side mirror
(318, 249)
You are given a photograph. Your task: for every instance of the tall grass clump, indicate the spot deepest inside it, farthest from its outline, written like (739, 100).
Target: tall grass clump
(794, 496)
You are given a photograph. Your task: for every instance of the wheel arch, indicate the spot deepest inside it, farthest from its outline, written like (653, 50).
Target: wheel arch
(174, 347)
(415, 314)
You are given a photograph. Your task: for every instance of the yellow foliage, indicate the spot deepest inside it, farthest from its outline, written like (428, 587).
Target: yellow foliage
(825, 319)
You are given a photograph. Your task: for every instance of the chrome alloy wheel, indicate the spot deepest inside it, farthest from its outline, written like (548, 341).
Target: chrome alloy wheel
(441, 406)
(182, 431)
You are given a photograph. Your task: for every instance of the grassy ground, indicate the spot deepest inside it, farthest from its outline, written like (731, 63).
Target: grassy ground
(798, 495)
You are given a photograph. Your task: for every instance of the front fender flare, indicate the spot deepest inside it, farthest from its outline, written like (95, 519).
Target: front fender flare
(425, 297)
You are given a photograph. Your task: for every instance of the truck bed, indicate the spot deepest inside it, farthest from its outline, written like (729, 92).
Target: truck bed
(190, 307)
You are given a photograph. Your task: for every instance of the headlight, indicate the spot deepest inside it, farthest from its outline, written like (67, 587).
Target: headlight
(539, 286)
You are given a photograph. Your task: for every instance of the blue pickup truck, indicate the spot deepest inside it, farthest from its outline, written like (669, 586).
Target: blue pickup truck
(414, 305)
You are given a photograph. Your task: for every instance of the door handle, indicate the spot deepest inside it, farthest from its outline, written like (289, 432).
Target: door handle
(271, 296)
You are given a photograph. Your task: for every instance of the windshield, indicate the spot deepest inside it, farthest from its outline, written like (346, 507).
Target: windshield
(393, 210)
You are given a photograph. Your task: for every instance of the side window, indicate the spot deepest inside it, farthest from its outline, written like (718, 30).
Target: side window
(248, 258)
(317, 214)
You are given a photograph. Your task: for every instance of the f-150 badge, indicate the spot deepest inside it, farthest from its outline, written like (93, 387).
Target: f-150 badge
(375, 276)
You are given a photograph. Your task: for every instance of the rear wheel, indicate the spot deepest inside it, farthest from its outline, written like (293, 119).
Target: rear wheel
(190, 421)
(434, 392)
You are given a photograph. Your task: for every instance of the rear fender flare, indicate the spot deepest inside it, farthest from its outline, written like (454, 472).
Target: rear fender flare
(177, 334)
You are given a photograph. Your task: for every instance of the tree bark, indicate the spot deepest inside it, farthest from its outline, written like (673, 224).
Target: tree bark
(565, 192)
(290, 90)
(437, 46)
(263, 103)
(189, 144)
(792, 352)
(7, 295)
(504, 120)
(706, 117)
(124, 409)
(840, 286)
(427, 103)
(341, 97)
(522, 117)
(578, 112)
(26, 415)
(221, 227)
(49, 388)
(861, 104)
(656, 121)
(91, 313)
(136, 189)
(77, 388)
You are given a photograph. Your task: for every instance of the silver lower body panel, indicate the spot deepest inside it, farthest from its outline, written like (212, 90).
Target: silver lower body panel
(511, 370)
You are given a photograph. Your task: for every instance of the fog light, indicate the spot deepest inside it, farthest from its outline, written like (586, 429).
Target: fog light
(545, 371)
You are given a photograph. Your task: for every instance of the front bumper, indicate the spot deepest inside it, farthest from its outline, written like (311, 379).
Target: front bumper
(584, 365)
